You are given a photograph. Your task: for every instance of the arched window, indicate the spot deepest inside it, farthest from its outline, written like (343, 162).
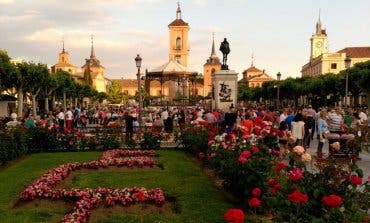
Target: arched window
(178, 43)
(213, 70)
(252, 84)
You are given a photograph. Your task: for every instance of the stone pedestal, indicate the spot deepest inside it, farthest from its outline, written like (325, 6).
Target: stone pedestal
(225, 89)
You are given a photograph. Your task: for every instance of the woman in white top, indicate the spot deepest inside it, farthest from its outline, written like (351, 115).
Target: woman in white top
(298, 128)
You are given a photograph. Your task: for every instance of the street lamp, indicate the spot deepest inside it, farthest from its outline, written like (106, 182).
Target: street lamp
(347, 64)
(278, 75)
(138, 65)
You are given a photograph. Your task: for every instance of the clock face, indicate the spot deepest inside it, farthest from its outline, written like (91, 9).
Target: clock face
(319, 44)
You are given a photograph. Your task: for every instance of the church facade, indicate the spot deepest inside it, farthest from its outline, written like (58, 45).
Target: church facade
(322, 62)
(91, 68)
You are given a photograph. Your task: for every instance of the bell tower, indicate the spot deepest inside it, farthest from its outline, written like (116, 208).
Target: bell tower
(178, 42)
(319, 41)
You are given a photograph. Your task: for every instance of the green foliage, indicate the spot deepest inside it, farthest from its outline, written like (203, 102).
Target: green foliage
(150, 139)
(12, 145)
(318, 88)
(114, 94)
(194, 139)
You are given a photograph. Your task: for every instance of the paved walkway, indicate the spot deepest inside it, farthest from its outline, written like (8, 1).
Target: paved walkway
(364, 163)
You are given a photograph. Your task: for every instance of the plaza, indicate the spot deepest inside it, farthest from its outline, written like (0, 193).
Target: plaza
(197, 111)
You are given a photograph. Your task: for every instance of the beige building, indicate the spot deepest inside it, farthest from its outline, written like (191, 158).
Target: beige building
(213, 64)
(254, 77)
(97, 71)
(322, 62)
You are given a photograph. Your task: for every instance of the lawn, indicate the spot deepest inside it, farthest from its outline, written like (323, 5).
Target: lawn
(197, 198)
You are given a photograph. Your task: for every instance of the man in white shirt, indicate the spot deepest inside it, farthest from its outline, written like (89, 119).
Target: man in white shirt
(363, 116)
(60, 117)
(69, 118)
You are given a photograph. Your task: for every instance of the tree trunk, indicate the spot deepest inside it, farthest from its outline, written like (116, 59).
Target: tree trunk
(20, 102)
(368, 98)
(47, 104)
(64, 101)
(76, 102)
(53, 102)
(34, 105)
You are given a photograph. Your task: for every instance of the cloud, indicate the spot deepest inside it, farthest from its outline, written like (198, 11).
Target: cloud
(6, 2)
(201, 3)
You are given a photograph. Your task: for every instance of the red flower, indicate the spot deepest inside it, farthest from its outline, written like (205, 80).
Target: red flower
(296, 174)
(256, 192)
(255, 149)
(356, 180)
(279, 166)
(271, 182)
(234, 215)
(254, 202)
(201, 155)
(332, 201)
(298, 197)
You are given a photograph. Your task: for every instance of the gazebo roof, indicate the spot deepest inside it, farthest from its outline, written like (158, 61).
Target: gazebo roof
(172, 67)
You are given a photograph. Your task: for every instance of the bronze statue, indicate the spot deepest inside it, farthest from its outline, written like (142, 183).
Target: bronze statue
(225, 49)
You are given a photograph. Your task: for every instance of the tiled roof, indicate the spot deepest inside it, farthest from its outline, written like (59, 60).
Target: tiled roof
(252, 69)
(356, 52)
(178, 22)
(64, 65)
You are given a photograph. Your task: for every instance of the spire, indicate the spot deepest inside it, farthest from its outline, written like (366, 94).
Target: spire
(63, 50)
(178, 11)
(92, 47)
(318, 24)
(213, 53)
(252, 64)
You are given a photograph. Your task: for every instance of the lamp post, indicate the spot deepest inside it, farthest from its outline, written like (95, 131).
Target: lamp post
(347, 64)
(278, 75)
(138, 65)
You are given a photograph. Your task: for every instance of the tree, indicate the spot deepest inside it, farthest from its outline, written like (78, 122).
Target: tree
(66, 85)
(114, 94)
(8, 72)
(51, 84)
(35, 77)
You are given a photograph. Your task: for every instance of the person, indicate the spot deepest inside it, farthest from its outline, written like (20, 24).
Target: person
(356, 123)
(230, 119)
(69, 118)
(335, 121)
(308, 122)
(298, 128)
(13, 122)
(60, 118)
(322, 130)
(129, 121)
(283, 139)
(247, 125)
(30, 123)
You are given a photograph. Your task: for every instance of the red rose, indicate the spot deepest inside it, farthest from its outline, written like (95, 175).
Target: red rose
(271, 182)
(201, 155)
(296, 174)
(279, 166)
(332, 201)
(254, 202)
(255, 149)
(356, 180)
(256, 192)
(298, 197)
(234, 215)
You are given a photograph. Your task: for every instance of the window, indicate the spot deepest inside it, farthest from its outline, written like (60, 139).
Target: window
(125, 92)
(333, 66)
(178, 58)
(159, 92)
(178, 43)
(213, 70)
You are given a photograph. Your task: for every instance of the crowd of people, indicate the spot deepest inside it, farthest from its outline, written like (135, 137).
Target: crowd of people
(303, 123)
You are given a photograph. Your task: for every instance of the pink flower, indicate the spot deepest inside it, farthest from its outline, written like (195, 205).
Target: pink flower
(296, 174)
(201, 155)
(242, 159)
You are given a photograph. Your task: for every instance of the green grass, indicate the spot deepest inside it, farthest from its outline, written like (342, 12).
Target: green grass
(197, 198)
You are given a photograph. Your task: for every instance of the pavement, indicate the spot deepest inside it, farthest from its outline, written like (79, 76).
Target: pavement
(363, 162)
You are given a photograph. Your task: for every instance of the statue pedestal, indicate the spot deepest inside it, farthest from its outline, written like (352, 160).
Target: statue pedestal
(225, 85)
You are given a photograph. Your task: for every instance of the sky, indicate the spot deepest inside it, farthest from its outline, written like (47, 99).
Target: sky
(276, 32)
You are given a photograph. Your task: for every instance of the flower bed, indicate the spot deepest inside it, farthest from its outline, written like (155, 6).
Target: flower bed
(88, 199)
(274, 180)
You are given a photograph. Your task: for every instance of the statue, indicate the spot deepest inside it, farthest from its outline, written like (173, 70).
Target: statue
(225, 49)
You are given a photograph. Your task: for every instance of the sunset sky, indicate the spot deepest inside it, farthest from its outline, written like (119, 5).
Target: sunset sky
(276, 32)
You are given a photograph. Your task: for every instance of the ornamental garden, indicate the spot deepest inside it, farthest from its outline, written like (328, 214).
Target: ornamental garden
(71, 176)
